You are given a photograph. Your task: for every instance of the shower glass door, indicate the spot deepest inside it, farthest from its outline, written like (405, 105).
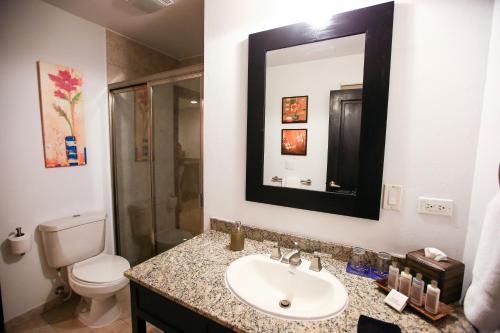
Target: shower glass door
(176, 161)
(132, 173)
(157, 165)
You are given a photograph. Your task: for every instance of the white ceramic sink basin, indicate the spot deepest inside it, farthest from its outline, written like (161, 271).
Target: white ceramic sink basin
(262, 283)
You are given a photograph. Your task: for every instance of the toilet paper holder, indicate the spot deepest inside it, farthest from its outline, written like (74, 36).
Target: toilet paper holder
(19, 232)
(20, 242)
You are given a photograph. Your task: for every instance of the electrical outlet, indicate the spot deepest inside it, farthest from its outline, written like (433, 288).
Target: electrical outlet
(435, 206)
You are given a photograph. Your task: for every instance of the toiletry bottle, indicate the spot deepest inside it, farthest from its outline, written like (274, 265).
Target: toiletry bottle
(417, 290)
(432, 297)
(237, 237)
(393, 279)
(405, 282)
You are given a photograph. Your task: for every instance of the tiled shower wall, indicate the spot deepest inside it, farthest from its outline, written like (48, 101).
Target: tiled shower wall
(128, 60)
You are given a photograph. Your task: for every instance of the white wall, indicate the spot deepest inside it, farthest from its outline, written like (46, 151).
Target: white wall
(317, 82)
(437, 78)
(32, 30)
(485, 182)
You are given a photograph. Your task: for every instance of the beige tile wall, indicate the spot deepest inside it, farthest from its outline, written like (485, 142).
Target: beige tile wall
(128, 60)
(191, 61)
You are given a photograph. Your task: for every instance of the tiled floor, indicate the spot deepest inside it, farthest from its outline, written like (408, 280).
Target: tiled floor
(62, 320)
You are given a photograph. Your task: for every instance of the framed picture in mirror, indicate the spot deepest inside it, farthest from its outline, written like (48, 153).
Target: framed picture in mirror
(294, 141)
(294, 109)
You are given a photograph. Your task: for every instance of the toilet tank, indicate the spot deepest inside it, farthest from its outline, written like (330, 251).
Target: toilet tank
(72, 239)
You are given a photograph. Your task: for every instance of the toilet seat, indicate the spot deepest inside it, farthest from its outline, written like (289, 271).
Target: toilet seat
(101, 269)
(98, 276)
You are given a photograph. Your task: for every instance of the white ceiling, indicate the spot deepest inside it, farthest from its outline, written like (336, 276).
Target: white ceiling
(176, 30)
(331, 48)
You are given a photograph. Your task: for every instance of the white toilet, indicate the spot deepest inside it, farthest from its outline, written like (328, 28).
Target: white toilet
(77, 243)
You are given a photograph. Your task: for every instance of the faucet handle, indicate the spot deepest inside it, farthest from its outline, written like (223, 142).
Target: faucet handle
(316, 263)
(294, 255)
(276, 254)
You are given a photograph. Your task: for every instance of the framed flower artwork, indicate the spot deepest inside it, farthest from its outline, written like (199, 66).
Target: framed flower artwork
(61, 105)
(294, 109)
(294, 142)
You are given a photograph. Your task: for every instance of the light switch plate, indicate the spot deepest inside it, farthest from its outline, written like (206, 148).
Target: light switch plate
(392, 197)
(435, 206)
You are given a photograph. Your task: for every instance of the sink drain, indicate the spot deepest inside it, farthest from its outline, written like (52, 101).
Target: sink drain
(285, 304)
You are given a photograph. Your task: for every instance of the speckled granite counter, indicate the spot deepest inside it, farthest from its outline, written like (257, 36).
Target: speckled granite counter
(192, 274)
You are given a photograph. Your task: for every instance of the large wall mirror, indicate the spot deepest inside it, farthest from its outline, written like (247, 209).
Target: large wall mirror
(317, 109)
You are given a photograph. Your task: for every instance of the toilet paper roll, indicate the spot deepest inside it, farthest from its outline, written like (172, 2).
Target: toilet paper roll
(20, 245)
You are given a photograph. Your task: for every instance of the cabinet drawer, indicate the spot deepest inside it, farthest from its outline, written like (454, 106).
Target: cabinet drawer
(170, 313)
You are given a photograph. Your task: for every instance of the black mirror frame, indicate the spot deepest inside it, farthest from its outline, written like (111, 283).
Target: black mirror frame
(376, 22)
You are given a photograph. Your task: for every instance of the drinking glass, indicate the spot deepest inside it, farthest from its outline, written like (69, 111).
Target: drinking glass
(382, 263)
(358, 259)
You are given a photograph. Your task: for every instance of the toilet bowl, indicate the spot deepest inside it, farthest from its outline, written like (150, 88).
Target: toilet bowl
(77, 243)
(97, 280)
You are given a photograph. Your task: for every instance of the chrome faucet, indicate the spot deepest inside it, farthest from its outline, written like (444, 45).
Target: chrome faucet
(276, 254)
(316, 263)
(293, 257)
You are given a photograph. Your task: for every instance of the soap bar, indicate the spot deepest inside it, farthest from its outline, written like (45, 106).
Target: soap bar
(396, 300)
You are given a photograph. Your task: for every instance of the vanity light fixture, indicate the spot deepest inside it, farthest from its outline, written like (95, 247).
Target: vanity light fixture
(193, 101)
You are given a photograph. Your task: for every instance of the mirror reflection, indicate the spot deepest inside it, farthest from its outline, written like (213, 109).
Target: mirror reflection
(313, 115)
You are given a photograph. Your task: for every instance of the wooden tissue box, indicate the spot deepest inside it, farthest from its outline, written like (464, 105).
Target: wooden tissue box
(449, 274)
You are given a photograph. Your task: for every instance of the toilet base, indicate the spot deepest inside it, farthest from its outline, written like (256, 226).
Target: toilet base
(98, 312)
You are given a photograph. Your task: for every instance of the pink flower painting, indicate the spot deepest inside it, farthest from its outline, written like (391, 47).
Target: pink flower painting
(60, 89)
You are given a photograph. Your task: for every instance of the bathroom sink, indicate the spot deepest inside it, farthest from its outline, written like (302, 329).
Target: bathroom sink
(286, 291)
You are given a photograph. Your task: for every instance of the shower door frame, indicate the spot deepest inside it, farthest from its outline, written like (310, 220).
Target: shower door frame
(176, 75)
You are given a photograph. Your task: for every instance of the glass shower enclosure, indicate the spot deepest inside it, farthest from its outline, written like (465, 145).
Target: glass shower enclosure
(156, 162)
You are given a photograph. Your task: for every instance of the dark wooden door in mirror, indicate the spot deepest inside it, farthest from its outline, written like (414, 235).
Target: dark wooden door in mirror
(343, 144)
(303, 150)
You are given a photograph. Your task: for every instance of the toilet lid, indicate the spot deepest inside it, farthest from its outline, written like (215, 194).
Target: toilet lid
(101, 268)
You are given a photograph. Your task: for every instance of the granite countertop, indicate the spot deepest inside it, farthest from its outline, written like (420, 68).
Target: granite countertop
(192, 274)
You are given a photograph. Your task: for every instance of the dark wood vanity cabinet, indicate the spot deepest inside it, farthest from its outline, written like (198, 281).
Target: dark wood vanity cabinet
(169, 316)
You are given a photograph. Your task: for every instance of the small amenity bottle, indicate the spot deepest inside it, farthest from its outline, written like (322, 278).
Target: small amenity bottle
(417, 290)
(432, 297)
(393, 278)
(405, 282)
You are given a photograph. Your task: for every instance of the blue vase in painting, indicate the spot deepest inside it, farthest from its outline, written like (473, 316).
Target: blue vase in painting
(71, 152)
